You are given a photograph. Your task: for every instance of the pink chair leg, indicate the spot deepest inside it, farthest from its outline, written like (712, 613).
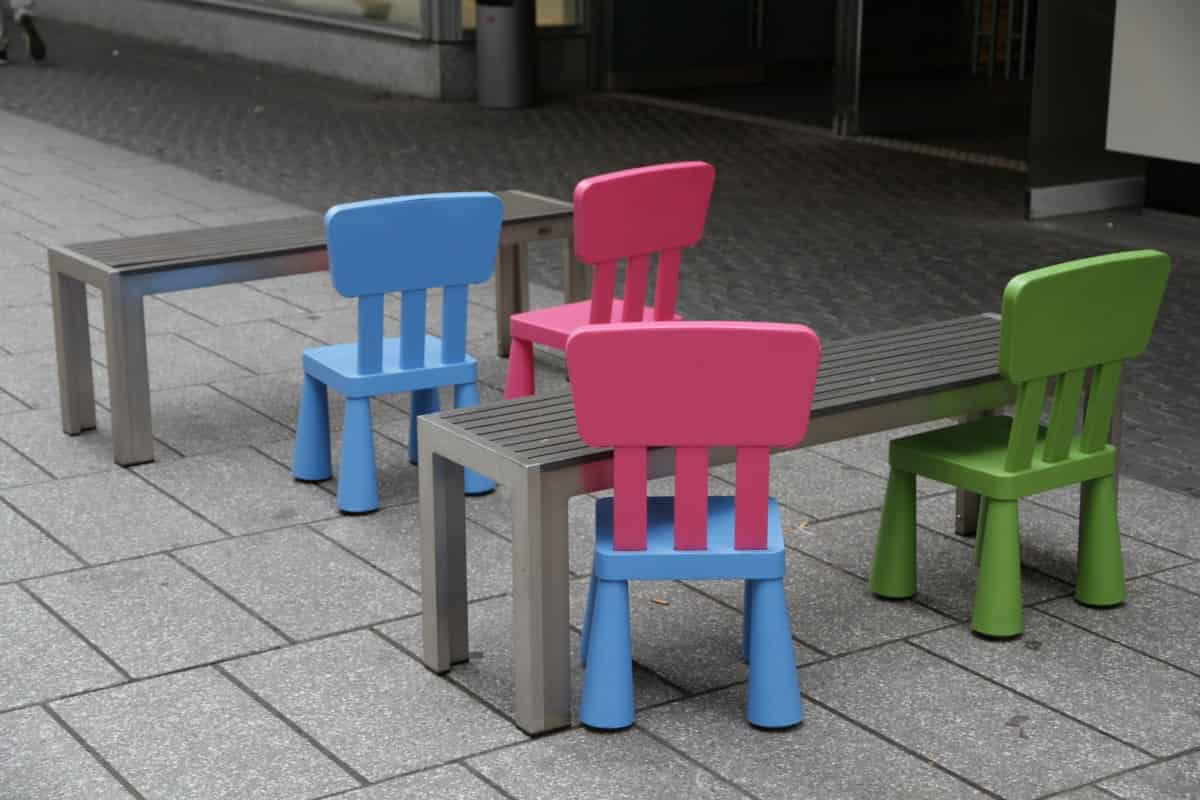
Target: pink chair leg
(520, 369)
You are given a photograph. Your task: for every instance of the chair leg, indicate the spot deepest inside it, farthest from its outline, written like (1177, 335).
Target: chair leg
(998, 613)
(357, 490)
(422, 401)
(587, 620)
(747, 615)
(607, 701)
(1100, 579)
(311, 460)
(520, 370)
(466, 395)
(894, 570)
(980, 526)
(774, 690)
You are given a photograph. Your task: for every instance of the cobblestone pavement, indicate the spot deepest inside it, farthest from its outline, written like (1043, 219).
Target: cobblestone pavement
(203, 627)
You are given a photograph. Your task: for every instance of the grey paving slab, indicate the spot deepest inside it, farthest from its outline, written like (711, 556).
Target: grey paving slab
(278, 396)
(823, 757)
(10, 404)
(549, 370)
(41, 657)
(15, 468)
(210, 194)
(39, 437)
(25, 329)
(26, 552)
(312, 292)
(255, 213)
(230, 303)
(396, 479)
(836, 612)
(1050, 539)
(110, 515)
(494, 512)
(176, 362)
(151, 615)
(1187, 577)
(1177, 779)
(373, 706)
(819, 486)
(331, 326)
(1156, 619)
(1085, 793)
(13, 221)
(198, 419)
(147, 226)
(69, 234)
(1127, 695)
(489, 673)
(258, 346)
(160, 317)
(870, 452)
(449, 781)
(301, 583)
(686, 637)
(143, 204)
(17, 250)
(945, 566)
(71, 211)
(391, 540)
(241, 490)
(39, 164)
(583, 765)
(976, 729)
(196, 736)
(38, 759)
(1147, 512)
(22, 285)
(32, 378)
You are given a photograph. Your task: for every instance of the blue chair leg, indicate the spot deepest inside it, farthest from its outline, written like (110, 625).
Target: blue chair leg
(357, 491)
(747, 614)
(608, 680)
(774, 685)
(311, 459)
(423, 401)
(466, 395)
(587, 620)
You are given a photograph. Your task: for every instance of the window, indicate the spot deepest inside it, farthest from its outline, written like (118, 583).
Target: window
(402, 13)
(550, 13)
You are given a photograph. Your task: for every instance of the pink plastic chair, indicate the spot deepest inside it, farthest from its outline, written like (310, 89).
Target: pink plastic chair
(691, 386)
(628, 215)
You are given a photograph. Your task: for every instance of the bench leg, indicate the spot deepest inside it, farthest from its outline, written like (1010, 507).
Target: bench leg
(443, 560)
(541, 603)
(966, 504)
(76, 391)
(512, 291)
(577, 278)
(128, 374)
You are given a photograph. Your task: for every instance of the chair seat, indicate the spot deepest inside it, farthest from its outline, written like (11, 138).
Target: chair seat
(336, 366)
(661, 561)
(971, 456)
(552, 326)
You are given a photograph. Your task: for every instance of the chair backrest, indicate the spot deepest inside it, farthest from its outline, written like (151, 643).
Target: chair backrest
(409, 245)
(692, 386)
(1062, 321)
(632, 215)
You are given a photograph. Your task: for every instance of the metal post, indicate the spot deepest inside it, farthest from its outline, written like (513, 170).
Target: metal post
(993, 38)
(1024, 37)
(128, 373)
(76, 390)
(966, 504)
(443, 558)
(512, 291)
(847, 68)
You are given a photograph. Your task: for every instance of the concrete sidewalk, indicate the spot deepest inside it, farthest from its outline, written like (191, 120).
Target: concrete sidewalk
(204, 627)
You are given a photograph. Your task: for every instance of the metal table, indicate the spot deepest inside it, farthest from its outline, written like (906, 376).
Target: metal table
(126, 270)
(865, 385)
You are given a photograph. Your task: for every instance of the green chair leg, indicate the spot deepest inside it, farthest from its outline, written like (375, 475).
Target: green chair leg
(980, 523)
(894, 570)
(998, 592)
(1101, 572)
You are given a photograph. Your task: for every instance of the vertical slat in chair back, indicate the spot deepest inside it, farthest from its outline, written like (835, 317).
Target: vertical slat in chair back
(692, 386)
(633, 215)
(1062, 321)
(409, 245)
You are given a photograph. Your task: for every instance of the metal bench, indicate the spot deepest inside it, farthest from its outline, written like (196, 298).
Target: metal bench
(865, 385)
(126, 270)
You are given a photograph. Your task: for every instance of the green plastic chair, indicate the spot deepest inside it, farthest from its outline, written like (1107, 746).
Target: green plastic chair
(1057, 323)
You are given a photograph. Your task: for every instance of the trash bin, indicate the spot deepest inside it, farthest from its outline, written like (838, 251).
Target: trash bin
(504, 42)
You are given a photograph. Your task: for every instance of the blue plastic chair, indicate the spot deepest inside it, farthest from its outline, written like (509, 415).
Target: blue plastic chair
(690, 386)
(408, 245)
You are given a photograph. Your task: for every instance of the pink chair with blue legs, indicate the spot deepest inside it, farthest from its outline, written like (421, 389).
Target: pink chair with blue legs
(408, 245)
(629, 216)
(690, 386)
